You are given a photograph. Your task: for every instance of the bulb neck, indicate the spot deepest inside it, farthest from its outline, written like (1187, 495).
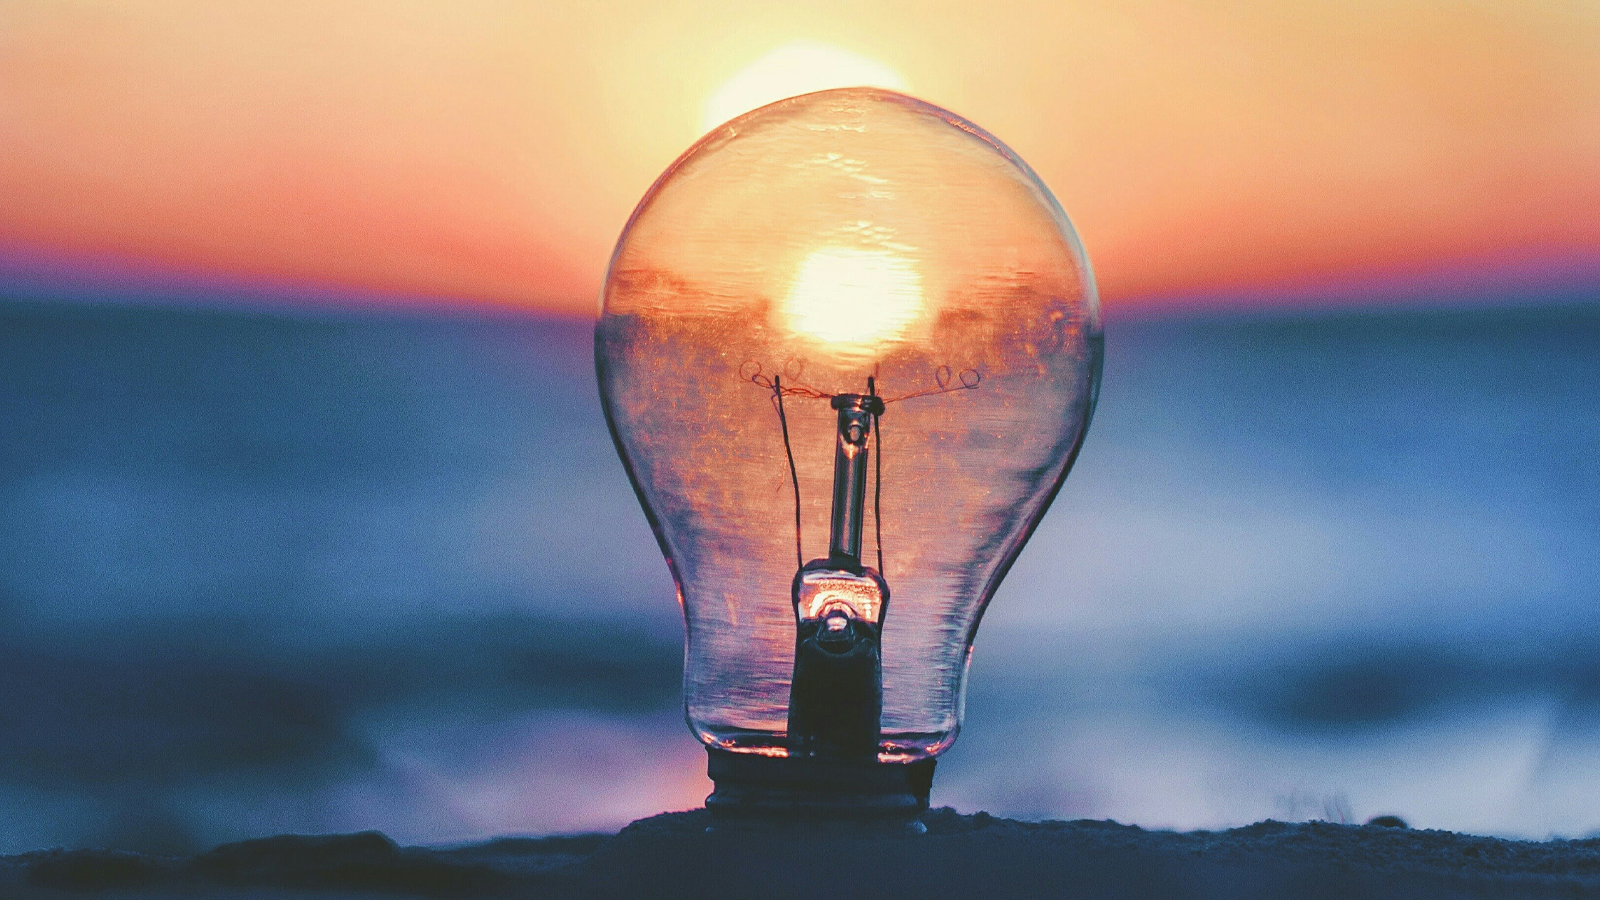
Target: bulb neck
(856, 412)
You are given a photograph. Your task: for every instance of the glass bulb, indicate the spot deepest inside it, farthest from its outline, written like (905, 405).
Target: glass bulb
(848, 347)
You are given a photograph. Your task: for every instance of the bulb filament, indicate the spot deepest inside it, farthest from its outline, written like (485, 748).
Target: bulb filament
(836, 692)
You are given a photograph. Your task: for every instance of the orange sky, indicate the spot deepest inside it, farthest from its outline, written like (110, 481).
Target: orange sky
(490, 152)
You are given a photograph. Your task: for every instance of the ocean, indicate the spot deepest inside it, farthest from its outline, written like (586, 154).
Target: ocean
(268, 572)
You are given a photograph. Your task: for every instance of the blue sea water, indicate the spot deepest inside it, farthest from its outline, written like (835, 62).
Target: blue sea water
(265, 573)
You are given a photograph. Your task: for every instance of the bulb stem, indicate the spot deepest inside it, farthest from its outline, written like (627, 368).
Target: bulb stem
(850, 474)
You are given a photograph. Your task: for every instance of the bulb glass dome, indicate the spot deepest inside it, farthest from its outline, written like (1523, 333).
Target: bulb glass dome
(794, 253)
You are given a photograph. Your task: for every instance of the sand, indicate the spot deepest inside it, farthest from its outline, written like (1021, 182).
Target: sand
(675, 855)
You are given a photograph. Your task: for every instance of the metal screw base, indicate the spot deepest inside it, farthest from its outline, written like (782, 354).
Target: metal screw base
(752, 786)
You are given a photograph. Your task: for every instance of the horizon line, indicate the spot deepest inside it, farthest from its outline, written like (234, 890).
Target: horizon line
(1524, 280)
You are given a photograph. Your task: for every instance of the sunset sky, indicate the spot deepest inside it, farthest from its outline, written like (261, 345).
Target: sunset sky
(489, 153)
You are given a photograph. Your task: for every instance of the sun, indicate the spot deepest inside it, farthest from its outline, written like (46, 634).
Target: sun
(797, 68)
(853, 300)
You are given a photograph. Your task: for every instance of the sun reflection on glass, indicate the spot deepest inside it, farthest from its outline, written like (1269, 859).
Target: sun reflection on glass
(850, 298)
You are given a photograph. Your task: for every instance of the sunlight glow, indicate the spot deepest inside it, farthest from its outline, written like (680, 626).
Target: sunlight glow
(852, 299)
(797, 68)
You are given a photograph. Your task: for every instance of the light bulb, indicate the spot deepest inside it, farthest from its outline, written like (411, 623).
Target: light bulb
(848, 347)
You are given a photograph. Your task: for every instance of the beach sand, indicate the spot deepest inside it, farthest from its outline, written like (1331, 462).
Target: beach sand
(979, 856)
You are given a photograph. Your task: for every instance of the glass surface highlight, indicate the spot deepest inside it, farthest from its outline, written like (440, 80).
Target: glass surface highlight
(791, 255)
